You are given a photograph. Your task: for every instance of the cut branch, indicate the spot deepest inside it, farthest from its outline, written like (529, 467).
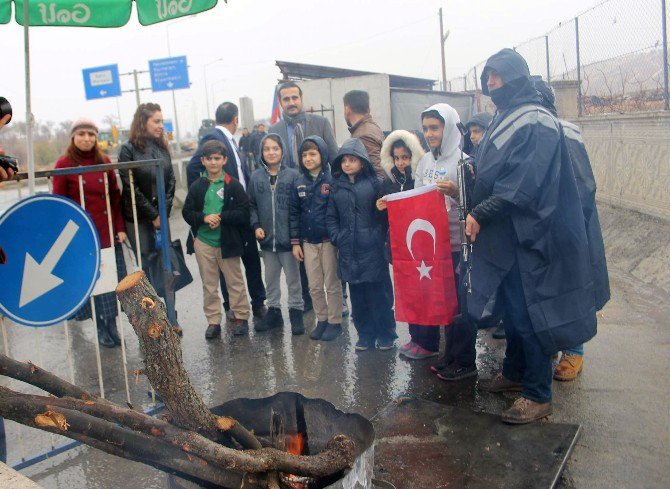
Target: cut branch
(164, 366)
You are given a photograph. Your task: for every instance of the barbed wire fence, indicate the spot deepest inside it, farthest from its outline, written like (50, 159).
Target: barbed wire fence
(616, 51)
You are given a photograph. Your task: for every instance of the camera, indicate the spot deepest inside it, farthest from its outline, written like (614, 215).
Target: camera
(5, 108)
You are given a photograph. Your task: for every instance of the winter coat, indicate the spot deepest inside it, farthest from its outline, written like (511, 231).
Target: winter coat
(393, 181)
(309, 204)
(95, 201)
(372, 137)
(524, 164)
(234, 215)
(144, 178)
(270, 208)
(434, 167)
(354, 224)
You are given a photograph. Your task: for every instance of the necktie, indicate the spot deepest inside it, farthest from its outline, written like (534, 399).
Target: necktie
(298, 136)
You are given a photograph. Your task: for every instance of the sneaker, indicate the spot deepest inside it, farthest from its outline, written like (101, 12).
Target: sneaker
(500, 383)
(419, 353)
(318, 331)
(240, 327)
(385, 344)
(407, 346)
(499, 332)
(332, 331)
(213, 331)
(526, 411)
(272, 319)
(440, 365)
(569, 367)
(455, 372)
(362, 345)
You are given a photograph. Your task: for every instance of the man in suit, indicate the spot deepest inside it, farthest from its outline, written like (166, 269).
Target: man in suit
(227, 120)
(295, 125)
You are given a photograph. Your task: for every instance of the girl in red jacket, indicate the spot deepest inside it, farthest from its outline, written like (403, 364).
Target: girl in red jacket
(83, 151)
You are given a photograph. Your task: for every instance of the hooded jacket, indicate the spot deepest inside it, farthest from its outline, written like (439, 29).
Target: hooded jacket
(309, 204)
(436, 166)
(481, 119)
(270, 208)
(586, 185)
(354, 224)
(395, 181)
(537, 222)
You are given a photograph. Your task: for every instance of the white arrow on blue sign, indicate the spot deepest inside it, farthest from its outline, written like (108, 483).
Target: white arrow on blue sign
(53, 260)
(169, 74)
(102, 82)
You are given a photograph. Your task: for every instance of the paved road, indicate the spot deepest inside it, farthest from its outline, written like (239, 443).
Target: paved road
(621, 399)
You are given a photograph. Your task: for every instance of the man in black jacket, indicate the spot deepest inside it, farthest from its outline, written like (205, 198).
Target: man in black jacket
(227, 120)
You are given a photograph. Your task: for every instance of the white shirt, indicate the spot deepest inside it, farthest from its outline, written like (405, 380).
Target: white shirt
(233, 143)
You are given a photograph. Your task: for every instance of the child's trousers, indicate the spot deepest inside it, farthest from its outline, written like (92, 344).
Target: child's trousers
(321, 267)
(274, 263)
(209, 263)
(372, 304)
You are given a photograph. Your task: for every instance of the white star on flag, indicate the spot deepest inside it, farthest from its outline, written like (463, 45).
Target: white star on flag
(424, 270)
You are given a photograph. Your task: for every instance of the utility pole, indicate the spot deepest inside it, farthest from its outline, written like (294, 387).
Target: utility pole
(443, 39)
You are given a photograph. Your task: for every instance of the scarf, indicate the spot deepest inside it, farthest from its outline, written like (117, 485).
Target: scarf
(296, 123)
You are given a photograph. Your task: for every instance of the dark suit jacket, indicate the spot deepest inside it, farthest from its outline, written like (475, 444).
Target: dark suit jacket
(315, 125)
(195, 168)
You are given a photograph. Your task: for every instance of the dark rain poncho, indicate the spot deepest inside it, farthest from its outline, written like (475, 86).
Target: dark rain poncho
(524, 161)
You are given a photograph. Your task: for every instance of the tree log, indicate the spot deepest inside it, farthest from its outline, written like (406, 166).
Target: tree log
(163, 363)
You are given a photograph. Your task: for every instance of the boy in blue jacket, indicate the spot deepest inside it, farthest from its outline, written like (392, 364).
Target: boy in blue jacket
(270, 190)
(355, 228)
(308, 225)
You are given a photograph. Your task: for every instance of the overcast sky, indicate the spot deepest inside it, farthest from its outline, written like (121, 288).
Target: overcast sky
(390, 36)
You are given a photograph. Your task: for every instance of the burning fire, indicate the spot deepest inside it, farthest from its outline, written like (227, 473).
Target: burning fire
(295, 443)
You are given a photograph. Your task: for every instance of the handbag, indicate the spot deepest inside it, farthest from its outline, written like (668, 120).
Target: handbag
(181, 276)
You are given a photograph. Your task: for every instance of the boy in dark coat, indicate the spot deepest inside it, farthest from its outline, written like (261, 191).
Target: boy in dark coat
(308, 226)
(217, 209)
(355, 228)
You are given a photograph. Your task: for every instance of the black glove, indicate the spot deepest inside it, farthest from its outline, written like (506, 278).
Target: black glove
(489, 209)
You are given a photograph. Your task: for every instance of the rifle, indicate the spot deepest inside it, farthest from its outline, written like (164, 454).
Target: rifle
(464, 177)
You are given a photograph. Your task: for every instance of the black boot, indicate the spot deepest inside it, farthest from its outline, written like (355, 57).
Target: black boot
(318, 331)
(272, 319)
(113, 331)
(103, 334)
(297, 325)
(331, 332)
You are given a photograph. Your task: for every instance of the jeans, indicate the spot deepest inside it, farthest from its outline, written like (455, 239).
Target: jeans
(461, 336)
(577, 350)
(427, 337)
(524, 360)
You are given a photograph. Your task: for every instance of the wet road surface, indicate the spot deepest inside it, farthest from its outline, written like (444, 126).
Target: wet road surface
(621, 399)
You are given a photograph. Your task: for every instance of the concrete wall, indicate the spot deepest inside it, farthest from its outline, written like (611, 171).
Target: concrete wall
(328, 92)
(630, 155)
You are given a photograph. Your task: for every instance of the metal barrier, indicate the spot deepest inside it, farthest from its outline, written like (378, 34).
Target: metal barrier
(168, 277)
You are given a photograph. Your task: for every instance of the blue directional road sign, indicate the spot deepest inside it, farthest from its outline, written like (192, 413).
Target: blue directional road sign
(102, 82)
(53, 260)
(169, 74)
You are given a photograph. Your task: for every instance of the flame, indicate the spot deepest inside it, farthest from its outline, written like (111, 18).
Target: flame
(295, 443)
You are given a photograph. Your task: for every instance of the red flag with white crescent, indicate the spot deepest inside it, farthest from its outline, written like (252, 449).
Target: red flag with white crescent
(423, 274)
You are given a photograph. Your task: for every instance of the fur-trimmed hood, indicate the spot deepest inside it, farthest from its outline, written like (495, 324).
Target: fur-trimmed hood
(412, 143)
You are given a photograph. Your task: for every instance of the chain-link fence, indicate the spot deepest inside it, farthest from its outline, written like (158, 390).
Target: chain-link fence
(616, 51)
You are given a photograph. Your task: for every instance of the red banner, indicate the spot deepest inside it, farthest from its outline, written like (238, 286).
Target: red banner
(423, 274)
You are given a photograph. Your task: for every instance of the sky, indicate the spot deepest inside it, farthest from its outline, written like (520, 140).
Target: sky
(236, 44)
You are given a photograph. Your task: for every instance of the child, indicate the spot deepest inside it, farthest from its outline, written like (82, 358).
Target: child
(217, 209)
(400, 155)
(308, 224)
(439, 166)
(355, 228)
(270, 190)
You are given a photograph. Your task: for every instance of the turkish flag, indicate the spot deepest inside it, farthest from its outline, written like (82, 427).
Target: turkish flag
(423, 274)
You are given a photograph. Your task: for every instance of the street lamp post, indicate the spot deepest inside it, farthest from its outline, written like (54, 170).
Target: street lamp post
(209, 113)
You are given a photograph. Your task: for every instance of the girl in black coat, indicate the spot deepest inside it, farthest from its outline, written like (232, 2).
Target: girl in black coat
(356, 229)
